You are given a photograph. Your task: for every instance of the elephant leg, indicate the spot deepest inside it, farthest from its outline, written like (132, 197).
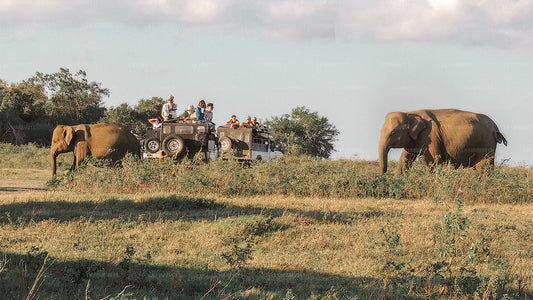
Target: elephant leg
(433, 155)
(79, 154)
(406, 161)
(73, 167)
(431, 160)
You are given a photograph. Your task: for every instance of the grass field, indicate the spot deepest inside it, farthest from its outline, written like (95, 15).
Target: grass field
(294, 229)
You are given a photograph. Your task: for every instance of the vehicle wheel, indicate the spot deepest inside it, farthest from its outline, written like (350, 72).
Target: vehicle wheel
(225, 144)
(174, 145)
(152, 145)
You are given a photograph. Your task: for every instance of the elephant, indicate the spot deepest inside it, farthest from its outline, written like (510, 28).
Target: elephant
(453, 136)
(102, 141)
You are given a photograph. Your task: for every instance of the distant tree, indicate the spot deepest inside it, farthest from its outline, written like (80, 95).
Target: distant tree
(21, 108)
(149, 108)
(21, 102)
(146, 109)
(304, 132)
(71, 98)
(135, 118)
(123, 115)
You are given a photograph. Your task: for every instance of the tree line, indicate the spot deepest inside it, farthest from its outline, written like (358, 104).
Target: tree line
(31, 109)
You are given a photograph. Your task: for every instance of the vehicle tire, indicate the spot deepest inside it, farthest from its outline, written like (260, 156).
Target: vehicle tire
(225, 144)
(152, 145)
(174, 145)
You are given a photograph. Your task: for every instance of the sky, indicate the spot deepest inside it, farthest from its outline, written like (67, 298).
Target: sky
(350, 61)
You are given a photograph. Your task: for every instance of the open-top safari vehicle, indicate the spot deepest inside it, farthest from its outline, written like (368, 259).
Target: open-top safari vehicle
(180, 139)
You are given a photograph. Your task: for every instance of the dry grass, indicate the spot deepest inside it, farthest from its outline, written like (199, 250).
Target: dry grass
(304, 177)
(211, 245)
(307, 245)
(23, 180)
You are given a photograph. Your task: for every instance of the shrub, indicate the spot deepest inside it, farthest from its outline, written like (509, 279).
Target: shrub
(305, 176)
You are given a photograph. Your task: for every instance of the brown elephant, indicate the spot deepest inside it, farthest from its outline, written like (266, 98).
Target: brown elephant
(459, 137)
(102, 141)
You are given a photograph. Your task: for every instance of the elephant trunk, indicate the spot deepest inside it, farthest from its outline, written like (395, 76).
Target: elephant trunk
(383, 155)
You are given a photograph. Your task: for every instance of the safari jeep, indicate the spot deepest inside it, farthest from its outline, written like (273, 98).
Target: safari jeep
(247, 143)
(179, 140)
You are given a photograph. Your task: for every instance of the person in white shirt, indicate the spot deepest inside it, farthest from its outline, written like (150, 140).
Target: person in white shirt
(156, 122)
(192, 114)
(170, 110)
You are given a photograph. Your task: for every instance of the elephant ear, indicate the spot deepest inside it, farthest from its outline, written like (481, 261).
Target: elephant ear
(69, 134)
(416, 125)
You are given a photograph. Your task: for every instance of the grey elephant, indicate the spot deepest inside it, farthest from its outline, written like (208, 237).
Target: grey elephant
(459, 137)
(102, 141)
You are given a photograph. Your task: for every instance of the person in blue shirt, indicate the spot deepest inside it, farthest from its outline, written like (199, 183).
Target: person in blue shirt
(200, 116)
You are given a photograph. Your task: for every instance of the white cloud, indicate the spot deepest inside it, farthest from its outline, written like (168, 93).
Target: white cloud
(502, 23)
(188, 11)
(507, 11)
(295, 9)
(55, 13)
(444, 4)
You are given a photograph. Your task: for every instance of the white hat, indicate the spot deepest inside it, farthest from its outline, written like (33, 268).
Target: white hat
(170, 97)
(190, 108)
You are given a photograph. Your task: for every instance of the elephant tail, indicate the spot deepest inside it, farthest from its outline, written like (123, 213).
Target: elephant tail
(500, 138)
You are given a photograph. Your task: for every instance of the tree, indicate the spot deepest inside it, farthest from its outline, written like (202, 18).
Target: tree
(304, 132)
(71, 98)
(149, 108)
(134, 118)
(21, 108)
(122, 115)
(22, 101)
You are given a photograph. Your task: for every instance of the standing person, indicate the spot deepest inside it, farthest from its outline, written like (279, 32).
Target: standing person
(169, 111)
(233, 122)
(200, 116)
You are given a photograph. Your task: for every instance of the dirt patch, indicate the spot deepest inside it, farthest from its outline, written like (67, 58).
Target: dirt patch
(23, 180)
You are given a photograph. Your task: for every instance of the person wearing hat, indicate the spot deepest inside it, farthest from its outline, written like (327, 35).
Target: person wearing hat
(170, 110)
(192, 114)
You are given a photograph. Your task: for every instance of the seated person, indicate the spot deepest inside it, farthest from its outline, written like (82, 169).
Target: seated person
(255, 124)
(233, 122)
(192, 114)
(247, 123)
(169, 111)
(199, 112)
(209, 116)
(209, 113)
(156, 122)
